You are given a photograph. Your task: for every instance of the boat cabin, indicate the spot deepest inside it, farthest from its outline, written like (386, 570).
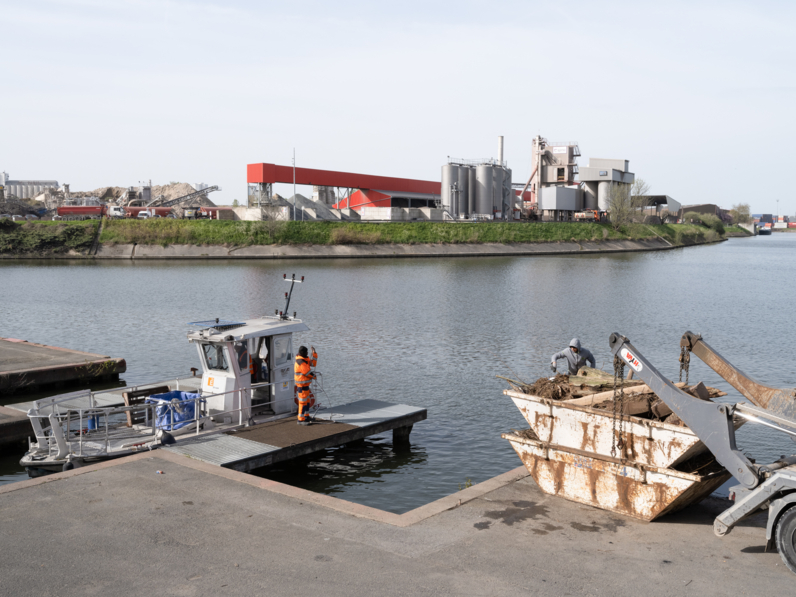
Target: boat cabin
(239, 358)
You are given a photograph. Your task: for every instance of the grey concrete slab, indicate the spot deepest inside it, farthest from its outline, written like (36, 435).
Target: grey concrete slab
(16, 355)
(27, 364)
(15, 427)
(126, 530)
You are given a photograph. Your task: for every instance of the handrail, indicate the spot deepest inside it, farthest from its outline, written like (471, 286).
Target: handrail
(64, 445)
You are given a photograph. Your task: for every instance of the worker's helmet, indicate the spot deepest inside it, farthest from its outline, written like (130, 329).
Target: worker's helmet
(302, 351)
(575, 343)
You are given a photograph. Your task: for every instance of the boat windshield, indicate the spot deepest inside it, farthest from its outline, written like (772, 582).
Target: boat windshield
(215, 356)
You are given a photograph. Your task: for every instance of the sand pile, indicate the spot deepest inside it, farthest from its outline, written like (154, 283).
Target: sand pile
(169, 191)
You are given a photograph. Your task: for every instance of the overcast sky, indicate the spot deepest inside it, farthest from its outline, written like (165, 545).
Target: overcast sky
(699, 96)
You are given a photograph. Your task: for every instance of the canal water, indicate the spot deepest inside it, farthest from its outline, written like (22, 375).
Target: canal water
(429, 332)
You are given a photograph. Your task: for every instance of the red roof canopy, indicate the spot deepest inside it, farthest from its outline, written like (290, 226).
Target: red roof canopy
(271, 173)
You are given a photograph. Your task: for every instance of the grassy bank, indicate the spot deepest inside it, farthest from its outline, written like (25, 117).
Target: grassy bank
(231, 233)
(46, 237)
(43, 237)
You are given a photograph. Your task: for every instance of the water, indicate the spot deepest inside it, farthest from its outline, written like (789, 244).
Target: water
(428, 332)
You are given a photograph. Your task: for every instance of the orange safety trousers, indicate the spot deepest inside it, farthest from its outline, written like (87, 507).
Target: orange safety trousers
(305, 400)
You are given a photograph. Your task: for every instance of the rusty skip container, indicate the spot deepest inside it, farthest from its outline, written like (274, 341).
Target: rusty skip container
(627, 488)
(646, 442)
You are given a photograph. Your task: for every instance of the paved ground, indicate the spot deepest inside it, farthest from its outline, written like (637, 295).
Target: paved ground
(201, 530)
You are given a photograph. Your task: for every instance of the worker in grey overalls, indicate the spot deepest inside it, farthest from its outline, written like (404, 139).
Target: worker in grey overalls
(576, 357)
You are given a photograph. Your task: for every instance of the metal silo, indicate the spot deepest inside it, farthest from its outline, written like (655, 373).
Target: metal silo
(497, 190)
(603, 195)
(590, 195)
(450, 175)
(463, 209)
(483, 189)
(471, 186)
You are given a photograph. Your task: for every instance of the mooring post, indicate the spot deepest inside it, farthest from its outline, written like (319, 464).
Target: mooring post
(400, 435)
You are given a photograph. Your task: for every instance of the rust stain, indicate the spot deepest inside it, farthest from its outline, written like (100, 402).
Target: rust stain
(588, 439)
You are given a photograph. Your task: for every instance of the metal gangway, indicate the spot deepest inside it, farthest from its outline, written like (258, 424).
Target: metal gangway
(178, 200)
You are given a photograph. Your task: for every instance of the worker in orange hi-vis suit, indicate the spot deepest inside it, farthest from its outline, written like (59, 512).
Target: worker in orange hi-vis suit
(303, 376)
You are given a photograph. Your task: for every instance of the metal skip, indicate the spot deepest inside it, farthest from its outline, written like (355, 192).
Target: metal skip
(567, 450)
(625, 487)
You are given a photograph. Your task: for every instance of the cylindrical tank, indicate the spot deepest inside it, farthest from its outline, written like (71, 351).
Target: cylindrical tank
(483, 189)
(471, 186)
(497, 191)
(590, 195)
(450, 175)
(463, 208)
(603, 195)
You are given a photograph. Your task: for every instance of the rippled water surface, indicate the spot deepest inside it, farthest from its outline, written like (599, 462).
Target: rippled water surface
(430, 332)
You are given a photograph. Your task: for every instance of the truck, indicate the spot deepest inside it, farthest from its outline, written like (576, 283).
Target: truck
(769, 486)
(86, 212)
(590, 215)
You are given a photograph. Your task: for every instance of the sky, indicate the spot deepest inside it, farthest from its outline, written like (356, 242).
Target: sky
(699, 96)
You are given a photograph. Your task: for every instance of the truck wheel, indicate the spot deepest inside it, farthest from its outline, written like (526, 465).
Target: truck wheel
(785, 536)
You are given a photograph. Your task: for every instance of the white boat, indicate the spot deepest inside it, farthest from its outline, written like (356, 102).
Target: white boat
(247, 379)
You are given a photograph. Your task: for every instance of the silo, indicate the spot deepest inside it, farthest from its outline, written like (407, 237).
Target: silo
(590, 195)
(471, 186)
(483, 189)
(463, 209)
(497, 190)
(450, 175)
(603, 195)
(509, 196)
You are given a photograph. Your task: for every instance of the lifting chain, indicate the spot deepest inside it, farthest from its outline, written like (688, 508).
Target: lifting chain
(619, 404)
(685, 362)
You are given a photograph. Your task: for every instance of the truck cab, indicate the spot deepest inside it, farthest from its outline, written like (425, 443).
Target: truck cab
(247, 366)
(116, 211)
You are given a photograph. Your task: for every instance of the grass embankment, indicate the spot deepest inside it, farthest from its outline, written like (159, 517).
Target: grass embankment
(46, 237)
(53, 238)
(235, 233)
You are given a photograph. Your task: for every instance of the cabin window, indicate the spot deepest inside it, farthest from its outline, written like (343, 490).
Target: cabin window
(282, 350)
(215, 357)
(243, 356)
(561, 175)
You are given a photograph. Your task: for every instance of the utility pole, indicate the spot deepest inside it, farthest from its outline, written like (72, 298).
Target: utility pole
(294, 183)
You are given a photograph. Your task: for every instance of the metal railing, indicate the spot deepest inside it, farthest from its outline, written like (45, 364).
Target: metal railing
(113, 419)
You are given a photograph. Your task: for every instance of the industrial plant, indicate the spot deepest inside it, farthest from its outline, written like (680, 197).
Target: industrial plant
(469, 190)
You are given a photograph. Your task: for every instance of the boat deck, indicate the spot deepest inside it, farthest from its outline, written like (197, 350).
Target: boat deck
(278, 441)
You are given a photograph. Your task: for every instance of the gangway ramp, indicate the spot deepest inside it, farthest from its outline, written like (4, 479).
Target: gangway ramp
(278, 441)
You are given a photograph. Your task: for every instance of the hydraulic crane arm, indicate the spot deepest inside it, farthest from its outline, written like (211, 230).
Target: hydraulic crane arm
(712, 423)
(776, 401)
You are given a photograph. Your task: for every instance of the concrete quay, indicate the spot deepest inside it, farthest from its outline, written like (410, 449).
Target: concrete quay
(119, 528)
(15, 428)
(25, 365)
